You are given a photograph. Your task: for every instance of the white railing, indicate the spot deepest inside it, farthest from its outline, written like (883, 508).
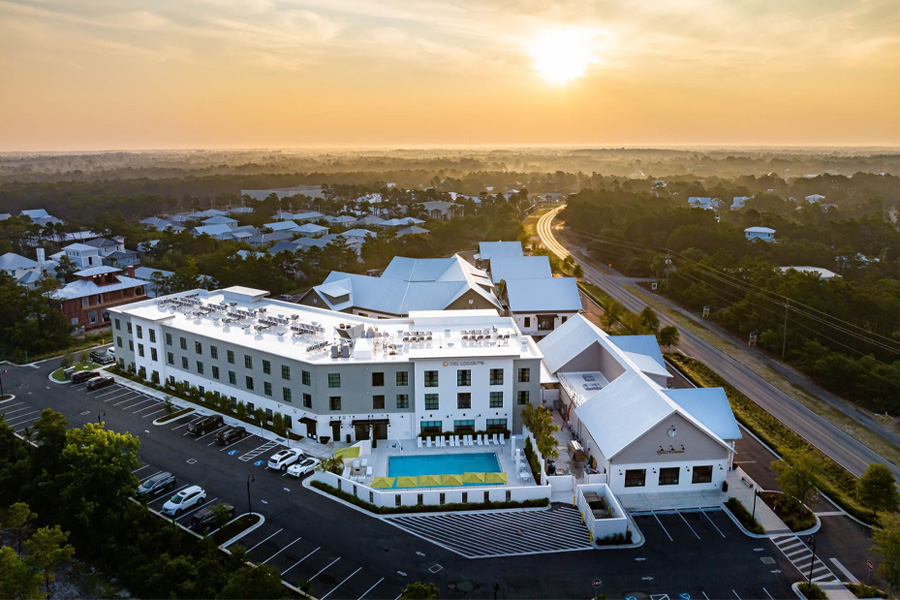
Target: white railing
(601, 527)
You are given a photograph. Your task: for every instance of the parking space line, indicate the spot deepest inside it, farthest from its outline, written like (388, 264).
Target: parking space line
(210, 433)
(131, 399)
(711, 523)
(146, 408)
(138, 403)
(663, 527)
(195, 509)
(342, 583)
(104, 394)
(16, 404)
(704, 594)
(143, 479)
(768, 594)
(265, 540)
(139, 468)
(282, 550)
(9, 412)
(323, 569)
(153, 413)
(736, 595)
(180, 426)
(14, 422)
(370, 589)
(232, 444)
(173, 492)
(300, 561)
(688, 524)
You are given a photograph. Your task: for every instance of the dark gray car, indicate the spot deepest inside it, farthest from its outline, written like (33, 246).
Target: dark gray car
(157, 483)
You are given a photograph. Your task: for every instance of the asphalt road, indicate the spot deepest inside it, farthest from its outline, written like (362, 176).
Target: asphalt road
(348, 554)
(844, 449)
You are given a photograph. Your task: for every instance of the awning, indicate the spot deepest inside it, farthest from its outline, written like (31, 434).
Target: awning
(495, 478)
(309, 421)
(345, 453)
(383, 482)
(334, 422)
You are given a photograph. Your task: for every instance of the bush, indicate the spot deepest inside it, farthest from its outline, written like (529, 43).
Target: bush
(616, 539)
(812, 591)
(743, 515)
(426, 508)
(861, 590)
(796, 516)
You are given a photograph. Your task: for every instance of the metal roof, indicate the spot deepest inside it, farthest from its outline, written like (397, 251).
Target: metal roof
(709, 406)
(520, 267)
(12, 261)
(538, 295)
(490, 250)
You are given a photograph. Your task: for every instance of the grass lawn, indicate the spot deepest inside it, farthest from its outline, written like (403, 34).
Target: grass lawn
(175, 414)
(235, 527)
(57, 375)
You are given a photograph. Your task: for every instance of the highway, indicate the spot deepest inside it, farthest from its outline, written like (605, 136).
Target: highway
(844, 449)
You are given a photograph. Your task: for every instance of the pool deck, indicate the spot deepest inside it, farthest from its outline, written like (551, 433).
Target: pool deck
(505, 453)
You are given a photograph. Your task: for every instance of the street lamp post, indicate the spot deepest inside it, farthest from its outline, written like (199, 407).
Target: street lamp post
(249, 506)
(812, 542)
(755, 494)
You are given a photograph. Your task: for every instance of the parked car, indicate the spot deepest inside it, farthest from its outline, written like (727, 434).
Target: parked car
(229, 435)
(95, 383)
(161, 481)
(82, 376)
(205, 518)
(307, 465)
(101, 357)
(282, 460)
(183, 500)
(203, 425)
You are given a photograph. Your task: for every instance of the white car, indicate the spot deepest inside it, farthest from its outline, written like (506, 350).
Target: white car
(282, 460)
(307, 465)
(183, 500)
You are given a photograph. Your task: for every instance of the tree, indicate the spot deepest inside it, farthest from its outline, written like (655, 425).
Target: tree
(876, 489)
(612, 312)
(278, 424)
(578, 271)
(254, 582)
(797, 474)
(540, 422)
(418, 590)
(17, 579)
(887, 543)
(668, 336)
(65, 268)
(46, 549)
(649, 320)
(16, 517)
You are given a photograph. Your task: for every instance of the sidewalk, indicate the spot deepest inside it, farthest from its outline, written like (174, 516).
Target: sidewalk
(742, 487)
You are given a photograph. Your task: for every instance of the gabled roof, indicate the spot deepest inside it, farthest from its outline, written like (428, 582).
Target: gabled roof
(340, 219)
(102, 243)
(29, 277)
(35, 213)
(282, 226)
(358, 233)
(311, 228)
(370, 220)
(520, 267)
(156, 222)
(212, 230)
(568, 341)
(93, 271)
(85, 287)
(557, 294)
(644, 351)
(491, 250)
(710, 406)
(219, 219)
(759, 230)
(79, 247)
(412, 230)
(147, 272)
(13, 262)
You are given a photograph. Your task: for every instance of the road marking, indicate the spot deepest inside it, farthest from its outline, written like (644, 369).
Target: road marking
(342, 583)
(248, 456)
(300, 561)
(688, 524)
(146, 408)
(370, 589)
(11, 405)
(704, 594)
(139, 402)
(14, 422)
(767, 594)
(232, 444)
(180, 426)
(265, 540)
(714, 525)
(735, 595)
(139, 468)
(132, 399)
(210, 433)
(103, 394)
(844, 570)
(149, 476)
(148, 415)
(282, 550)
(162, 495)
(324, 568)
(663, 527)
(196, 508)
(833, 513)
(9, 412)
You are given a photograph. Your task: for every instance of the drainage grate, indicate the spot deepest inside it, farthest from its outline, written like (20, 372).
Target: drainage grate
(191, 461)
(435, 568)
(767, 560)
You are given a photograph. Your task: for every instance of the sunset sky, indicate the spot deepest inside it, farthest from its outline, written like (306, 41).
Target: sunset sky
(122, 74)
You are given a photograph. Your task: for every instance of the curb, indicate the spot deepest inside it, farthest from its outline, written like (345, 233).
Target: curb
(169, 419)
(11, 398)
(758, 536)
(262, 519)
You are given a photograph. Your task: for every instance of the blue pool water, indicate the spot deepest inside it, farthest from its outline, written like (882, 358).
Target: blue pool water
(443, 464)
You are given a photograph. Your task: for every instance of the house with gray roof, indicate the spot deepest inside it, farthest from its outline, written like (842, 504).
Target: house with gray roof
(23, 270)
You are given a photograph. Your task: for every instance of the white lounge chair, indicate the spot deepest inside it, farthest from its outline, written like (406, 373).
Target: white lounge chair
(364, 462)
(471, 440)
(495, 440)
(441, 441)
(467, 441)
(525, 475)
(478, 440)
(369, 471)
(356, 463)
(428, 442)
(419, 442)
(454, 441)
(502, 439)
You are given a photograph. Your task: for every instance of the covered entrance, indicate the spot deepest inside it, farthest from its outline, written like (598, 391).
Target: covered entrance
(378, 427)
(336, 430)
(311, 427)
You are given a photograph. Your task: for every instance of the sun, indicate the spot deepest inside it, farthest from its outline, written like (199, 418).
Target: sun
(561, 55)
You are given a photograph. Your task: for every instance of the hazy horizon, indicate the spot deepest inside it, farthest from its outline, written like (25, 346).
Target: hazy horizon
(108, 75)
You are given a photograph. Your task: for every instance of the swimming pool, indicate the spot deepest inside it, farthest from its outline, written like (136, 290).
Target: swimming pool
(443, 464)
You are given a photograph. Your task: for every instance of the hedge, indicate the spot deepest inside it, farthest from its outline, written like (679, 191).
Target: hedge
(743, 515)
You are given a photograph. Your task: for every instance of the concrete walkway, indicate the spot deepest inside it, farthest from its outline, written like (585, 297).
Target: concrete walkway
(742, 487)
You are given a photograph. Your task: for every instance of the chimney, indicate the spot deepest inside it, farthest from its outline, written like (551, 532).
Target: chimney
(129, 270)
(41, 257)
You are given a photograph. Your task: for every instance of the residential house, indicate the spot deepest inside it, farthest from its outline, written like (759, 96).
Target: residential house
(282, 226)
(23, 270)
(442, 211)
(86, 300)
(220, 220)
(765, 234)
(704, 202)
(738, 202)
(815, 198)
(83, 255)
(311, 230)
(817, 271)
(412, 230)
(146, 275)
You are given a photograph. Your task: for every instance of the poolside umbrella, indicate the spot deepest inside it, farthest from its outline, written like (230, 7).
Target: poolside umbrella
(473, 477)
(429, 480)
(383, 482)
(407, 482)
(345, 453)
(451, 480)
(495, 478)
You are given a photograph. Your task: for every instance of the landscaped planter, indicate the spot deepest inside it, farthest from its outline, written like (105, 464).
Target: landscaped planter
(174, 415)
(234, 528)
(795, 515)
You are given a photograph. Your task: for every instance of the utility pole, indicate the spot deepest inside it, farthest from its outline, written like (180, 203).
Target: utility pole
(787, 305)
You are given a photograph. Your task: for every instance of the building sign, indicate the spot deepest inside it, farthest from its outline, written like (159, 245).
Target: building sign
(671, 450)
(463, 363)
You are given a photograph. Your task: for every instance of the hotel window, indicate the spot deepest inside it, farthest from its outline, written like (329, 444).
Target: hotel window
(431, 378)
(334, 380)
(215, 372)
(183, 343)
(635, 477)
(249, 381)
(198, 348)
(464, 377)
(131, 345)
(527, 321)
(153, 354)
(431, 426)
(230, 357)
(669, 475)
(496, 400)
(129, 327)
(496, 376)
(306, 378)
(118, 325)
(267, 388)
(286, 394)
(232, 377)
(140, 350)
(463, 400)
(378, 402)
(248, 361)
(431, 402)
(496, 425)
(402, 377)
(523, 397)
(152, 334)
(285, 372)
(214, 352)
(524, 375)
(464, 426)
(168, 339)
(184, 362)
(119, 341)
(307, 401)
(702, 474)
(402, 400)
(378, 379)
(140, 332)
(334, 403)
(267, 367)
(170, 358)
(199, 367)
